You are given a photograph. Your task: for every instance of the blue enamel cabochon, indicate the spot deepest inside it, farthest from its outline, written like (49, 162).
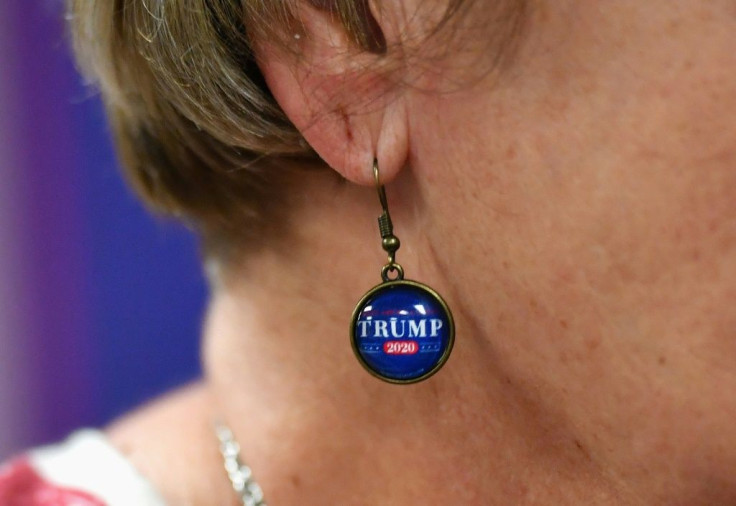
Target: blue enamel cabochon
(402, 331)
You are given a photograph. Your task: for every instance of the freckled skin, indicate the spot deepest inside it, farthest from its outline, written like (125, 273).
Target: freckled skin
(600, 186)
(576, 209)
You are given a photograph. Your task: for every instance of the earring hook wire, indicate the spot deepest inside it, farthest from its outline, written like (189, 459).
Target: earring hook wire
(389, 241)
(381, 189)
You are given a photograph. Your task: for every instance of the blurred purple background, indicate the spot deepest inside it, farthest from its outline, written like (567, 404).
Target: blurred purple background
(100, 304)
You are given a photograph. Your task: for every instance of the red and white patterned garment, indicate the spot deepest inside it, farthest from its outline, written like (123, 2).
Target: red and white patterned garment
(85, 470)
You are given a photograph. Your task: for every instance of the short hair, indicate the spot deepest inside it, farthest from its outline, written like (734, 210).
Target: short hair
(198, 132)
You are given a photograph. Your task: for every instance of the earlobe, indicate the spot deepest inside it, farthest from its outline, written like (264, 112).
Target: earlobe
(340, 98)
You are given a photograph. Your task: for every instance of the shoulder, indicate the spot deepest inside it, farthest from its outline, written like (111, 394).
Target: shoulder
(172, 442)
(84, 470)
(163, 453)
(164, 421)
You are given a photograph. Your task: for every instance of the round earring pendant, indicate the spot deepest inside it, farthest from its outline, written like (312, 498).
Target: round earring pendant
(402, 331)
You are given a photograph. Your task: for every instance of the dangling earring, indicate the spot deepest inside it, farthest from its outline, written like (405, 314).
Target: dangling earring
(402, 331)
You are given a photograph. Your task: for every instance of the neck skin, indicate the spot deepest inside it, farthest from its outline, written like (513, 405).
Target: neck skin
(578, 217)
(316, 428)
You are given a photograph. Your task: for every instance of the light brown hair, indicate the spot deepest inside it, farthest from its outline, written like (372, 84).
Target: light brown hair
(198, 132)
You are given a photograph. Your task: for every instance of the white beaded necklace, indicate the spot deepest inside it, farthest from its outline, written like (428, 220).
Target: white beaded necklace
(241, 476)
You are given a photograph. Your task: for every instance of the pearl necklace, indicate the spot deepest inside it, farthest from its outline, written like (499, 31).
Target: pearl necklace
(241, 476)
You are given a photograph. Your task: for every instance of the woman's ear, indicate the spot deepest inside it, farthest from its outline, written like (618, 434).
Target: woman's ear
(342, 98)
